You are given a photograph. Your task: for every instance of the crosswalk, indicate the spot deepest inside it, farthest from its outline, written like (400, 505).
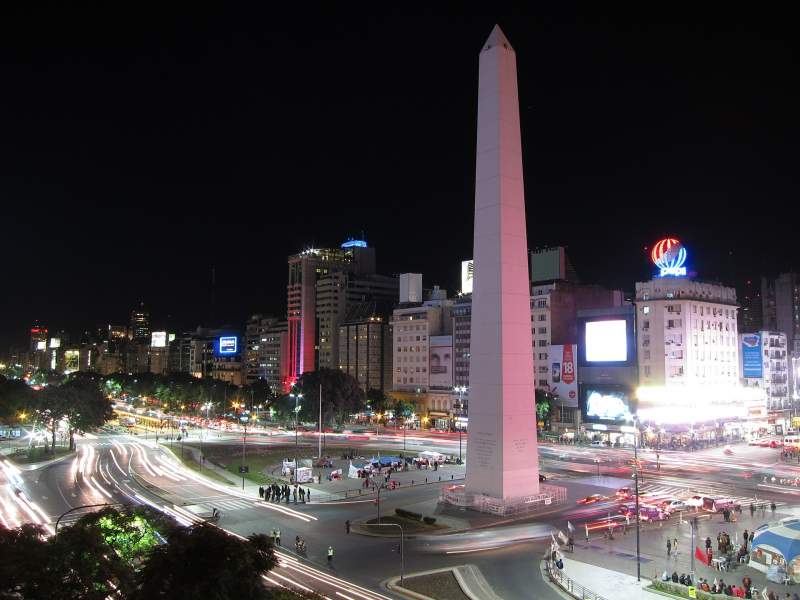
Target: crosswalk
(658, 491)
(228, 504)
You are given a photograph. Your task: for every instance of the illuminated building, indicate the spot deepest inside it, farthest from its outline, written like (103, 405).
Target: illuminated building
(412, 328)
(748, 293)
(365, 345)
(140, 325)
(266, 352)
(781, 312)
(214, 354)
(764, 363)
(687, 330)
(117, 332)
(336, 293)
(305, 269)
(38, 347)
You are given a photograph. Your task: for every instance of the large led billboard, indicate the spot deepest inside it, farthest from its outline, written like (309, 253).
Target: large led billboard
(606, 341)
(751, 356)
(606, 403)
(228, 345)
(41, 345)
(159, 339)
(55, 342)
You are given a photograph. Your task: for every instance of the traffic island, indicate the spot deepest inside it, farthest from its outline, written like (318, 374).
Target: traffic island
(409, 525)
(464, 582)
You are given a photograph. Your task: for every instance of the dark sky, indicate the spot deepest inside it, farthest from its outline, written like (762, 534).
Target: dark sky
(139, 148)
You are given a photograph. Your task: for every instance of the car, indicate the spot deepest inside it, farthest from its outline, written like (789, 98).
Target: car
(624, 492)
(598, 444)
(542, 478)
(652, 513)
(672, 506)
(695, 501)
(775, 444)
(592, 499)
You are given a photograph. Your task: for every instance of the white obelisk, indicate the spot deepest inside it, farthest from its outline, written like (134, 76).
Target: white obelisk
(502, 459)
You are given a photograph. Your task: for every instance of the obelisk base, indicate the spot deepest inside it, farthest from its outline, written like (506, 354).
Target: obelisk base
(549, 496)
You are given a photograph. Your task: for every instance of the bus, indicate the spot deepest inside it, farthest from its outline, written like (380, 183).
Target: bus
(791, 441)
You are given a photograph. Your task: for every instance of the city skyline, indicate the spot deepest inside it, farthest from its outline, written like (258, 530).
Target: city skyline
(170, 158)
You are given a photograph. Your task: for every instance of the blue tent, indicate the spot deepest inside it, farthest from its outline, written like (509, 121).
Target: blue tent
(783, 537)
(386, 461)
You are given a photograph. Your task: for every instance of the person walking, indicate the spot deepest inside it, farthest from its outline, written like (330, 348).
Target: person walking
(277, 537)
(302, 495)
(752, 510)
(675, 547)
(347, 526)
(308, 494)
(669, 546)
(330, 555)
(294, 492)
(260, 492)
(772, 507)
(745, 538)
(571, 543)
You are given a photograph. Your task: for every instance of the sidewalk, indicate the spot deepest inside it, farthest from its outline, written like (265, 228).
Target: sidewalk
(611, 585)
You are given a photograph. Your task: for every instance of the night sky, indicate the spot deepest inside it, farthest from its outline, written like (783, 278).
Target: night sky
(139, 148)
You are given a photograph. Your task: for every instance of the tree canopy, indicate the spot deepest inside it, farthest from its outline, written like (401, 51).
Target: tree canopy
(136, 555)
(341, 396)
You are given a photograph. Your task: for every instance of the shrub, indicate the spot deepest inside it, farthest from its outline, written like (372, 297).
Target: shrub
(429, 520)
(408, 514)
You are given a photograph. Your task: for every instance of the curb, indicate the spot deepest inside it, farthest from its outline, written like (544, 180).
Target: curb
(484, 594)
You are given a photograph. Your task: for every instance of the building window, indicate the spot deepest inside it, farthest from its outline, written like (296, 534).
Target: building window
(647, 371)
(542, 343)
(646, 310)
(543, 383)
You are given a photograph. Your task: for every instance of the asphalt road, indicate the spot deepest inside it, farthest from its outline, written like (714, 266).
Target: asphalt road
(130, 470)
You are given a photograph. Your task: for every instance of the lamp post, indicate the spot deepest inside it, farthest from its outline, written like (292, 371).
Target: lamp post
(244, 453)
(636, 491)
(207, 408)
(296, 413)
(402, 546)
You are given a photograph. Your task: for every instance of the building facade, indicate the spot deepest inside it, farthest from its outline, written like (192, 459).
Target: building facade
(687, 333)
(365, 346)
(139, 329)
(764, 363)
(305, 269)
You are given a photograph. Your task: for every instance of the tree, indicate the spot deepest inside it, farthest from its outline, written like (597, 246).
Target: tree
(203, 561)
(79, 402)
(24, 552)
(15, 396)
(341, 395)
(543, 404)
(377, 400)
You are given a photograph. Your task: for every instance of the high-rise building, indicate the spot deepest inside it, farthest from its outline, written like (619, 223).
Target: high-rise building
(336, 293)
(764, 363)
(365, 345)
(116, 332)
(412, 330)
(748, 292)
(140, 325)
(266, 352)
(305, 270)
(687, 333)
(781, 307)
(551, 264)
(216, 354)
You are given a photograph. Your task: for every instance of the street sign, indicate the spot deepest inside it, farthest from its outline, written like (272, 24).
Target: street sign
(244, 470)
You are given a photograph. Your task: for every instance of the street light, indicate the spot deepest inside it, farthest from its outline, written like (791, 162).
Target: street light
(296, 412)
(402, 546)
(207, 408)
(635, 420)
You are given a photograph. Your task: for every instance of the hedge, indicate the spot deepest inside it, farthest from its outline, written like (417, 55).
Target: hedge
(408, 514)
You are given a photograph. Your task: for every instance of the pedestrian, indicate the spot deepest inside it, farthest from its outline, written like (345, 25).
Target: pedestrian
(277, 537)
(752, 509)
(772, 507)
(675, 547)
(330, 555)
(571, 543)
(302, 495)
(295, 495)
(260, 492)
(669, 546)
(708, 543)
(308, 494)
(347, 526)
(745, 537)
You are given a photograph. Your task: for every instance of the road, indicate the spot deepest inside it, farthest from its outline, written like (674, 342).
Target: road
(122, 469)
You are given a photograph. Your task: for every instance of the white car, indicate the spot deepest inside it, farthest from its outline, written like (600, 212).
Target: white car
(598, 444)
(672, 506)
(695, 501)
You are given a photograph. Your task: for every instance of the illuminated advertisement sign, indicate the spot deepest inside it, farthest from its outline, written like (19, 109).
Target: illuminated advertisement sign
(158, 339)
(669, 256)
(467, 274)
(606, 403)
(751, 356)
(228, 345)
(55, 342)
(71, 361)
(354, 244)
(563, 370)
(441, 366)
(41, 345)
(606, 341)
(171, 337)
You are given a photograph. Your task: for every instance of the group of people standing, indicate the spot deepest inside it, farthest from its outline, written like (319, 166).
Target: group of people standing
(276, 493)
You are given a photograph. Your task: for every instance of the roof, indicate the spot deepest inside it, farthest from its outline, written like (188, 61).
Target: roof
(783, 537)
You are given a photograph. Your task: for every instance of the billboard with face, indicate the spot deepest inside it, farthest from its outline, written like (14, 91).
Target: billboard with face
(441, 362)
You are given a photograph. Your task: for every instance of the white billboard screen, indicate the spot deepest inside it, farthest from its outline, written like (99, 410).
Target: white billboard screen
(41, 345)
(159, 339)
(55, 342)
(467, 270)
(606, 341)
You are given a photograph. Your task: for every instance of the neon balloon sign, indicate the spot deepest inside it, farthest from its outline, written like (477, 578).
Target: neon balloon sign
(669, 256)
